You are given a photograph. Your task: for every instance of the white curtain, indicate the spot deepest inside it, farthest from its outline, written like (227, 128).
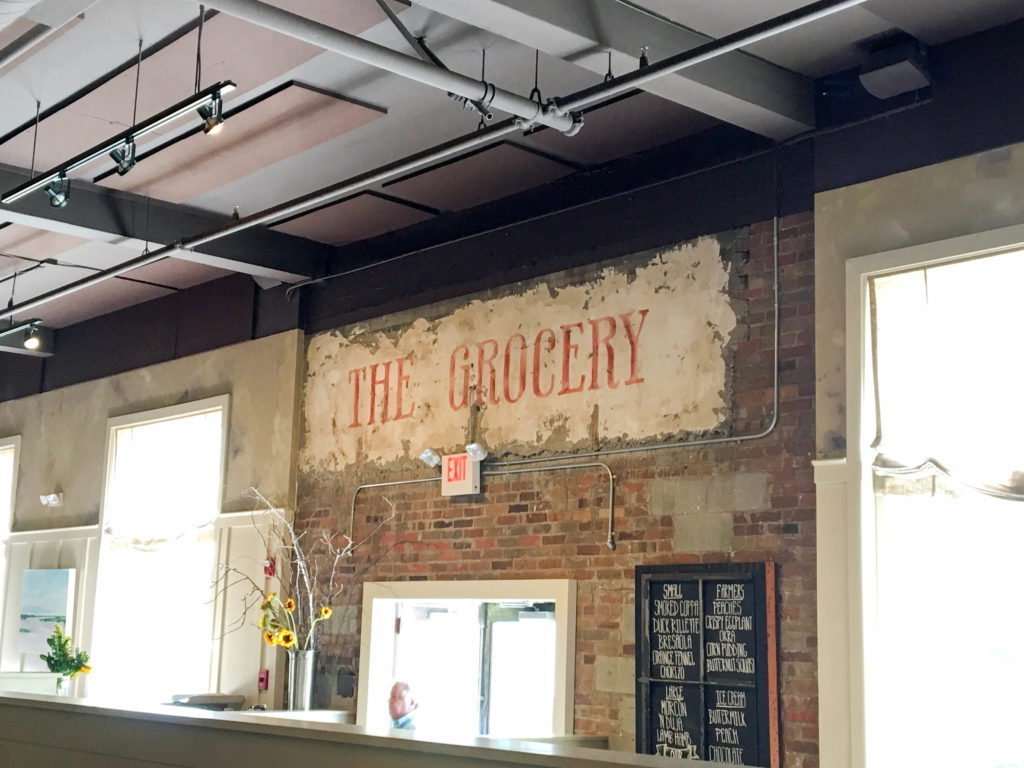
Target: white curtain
(153, 630)
(949, 372)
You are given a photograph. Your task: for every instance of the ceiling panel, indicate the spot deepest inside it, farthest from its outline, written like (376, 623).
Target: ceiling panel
(36, 244)
(99, 299)
(232, 50)
(354, 219)
(177, 273)
(284, 124)
(488, 175)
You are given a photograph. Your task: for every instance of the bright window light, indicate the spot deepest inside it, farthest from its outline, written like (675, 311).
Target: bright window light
(8, 474)
(944, 631)
(948, 366)
(153, 625)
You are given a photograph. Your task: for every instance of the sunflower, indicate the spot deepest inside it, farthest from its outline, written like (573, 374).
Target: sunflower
(325, 612)
(265, 605)
(264, 620)
(285, 638)
(289, 605)
(270, 638)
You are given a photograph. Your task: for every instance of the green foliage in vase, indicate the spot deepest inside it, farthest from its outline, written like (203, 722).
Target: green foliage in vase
(61, 658)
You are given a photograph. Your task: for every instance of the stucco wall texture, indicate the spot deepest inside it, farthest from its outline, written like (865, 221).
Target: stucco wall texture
(743, 501)
(64, 432)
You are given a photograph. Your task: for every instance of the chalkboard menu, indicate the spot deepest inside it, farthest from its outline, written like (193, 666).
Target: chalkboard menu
(706, 667)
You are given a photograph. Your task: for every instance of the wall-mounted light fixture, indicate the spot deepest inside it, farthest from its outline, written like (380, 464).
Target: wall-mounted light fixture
(28, 337)
(430, 457)
(123, 144)
(52, 499)
(476, 451)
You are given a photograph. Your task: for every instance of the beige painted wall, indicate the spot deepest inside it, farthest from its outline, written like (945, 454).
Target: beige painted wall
(964, 196)
(63, 433)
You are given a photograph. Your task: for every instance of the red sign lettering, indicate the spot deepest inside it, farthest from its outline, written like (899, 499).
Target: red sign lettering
(381, 386)
(502, 377)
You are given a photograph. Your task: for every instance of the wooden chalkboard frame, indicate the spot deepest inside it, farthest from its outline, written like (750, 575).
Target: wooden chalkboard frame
(761, 578)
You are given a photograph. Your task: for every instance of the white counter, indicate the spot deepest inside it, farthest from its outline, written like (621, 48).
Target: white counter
(51, 731)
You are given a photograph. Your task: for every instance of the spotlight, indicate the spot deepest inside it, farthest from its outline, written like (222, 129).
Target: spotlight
(59, 191)
(213, 119)
(430, 457)
(32, 340)
(124, 157)
(476, 451)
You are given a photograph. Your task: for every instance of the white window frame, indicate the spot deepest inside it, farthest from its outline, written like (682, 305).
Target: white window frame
(5, 525)
(140, 418)
(846, 532)
(191, 408)
(11, 442)
(375, 659)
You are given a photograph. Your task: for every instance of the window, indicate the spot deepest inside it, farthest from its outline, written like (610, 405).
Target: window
(487, 655)
(8, 476)
(936, 502)
(153, 624)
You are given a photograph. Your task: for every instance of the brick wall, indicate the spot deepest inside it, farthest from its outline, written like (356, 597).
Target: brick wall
(739, 501)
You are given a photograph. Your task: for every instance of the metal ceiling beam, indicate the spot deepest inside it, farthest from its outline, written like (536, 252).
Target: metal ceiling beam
(103, 215)
(735, 88)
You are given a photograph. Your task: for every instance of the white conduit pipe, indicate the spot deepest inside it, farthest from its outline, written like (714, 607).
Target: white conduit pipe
(37, 36)
(12, 10)
(380, 56)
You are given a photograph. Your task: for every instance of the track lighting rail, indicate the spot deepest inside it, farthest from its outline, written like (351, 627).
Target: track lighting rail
(124, 142)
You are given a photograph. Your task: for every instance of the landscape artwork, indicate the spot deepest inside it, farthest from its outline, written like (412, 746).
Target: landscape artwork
(47, 597)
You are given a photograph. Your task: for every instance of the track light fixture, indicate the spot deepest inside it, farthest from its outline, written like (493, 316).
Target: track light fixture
(55, 181)
(124, 157)
(28, 337)
(59, 191)
(212, 114)
(32, 340)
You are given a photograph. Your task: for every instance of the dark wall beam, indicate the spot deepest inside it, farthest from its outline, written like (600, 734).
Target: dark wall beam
(105, 215)
(723, 179)
(973, 105)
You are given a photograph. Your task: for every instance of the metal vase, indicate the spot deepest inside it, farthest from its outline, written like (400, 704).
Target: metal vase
(301, 672)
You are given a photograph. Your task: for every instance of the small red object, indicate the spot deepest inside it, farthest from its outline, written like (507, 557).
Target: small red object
(270, 567)
(263, 681)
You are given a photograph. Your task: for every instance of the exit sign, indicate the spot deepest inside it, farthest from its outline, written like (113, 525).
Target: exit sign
(460, 475)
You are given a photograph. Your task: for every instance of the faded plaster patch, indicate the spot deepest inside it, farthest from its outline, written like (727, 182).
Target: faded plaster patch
(615, 674)
(635, 351)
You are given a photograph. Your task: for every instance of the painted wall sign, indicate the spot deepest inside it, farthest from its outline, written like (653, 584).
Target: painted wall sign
(626, 351)
(460, 475)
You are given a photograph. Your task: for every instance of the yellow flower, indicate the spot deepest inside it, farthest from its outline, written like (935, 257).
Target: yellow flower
(264, 620)
(84, 670)
(325, 612)
(271, 597)
(285, 638)
(269, 637)
(289, 605)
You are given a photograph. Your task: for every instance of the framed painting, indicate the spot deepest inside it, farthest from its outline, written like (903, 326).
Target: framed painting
(47, 599)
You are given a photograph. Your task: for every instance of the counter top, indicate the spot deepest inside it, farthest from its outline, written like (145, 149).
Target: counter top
(181, 736)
